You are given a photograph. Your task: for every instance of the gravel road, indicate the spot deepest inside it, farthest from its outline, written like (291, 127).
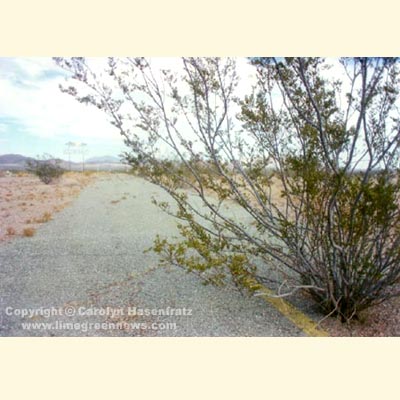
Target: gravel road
(85, 274)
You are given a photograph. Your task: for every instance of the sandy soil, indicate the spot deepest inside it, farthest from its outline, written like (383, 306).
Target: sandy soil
(382, 320)
(26, 202)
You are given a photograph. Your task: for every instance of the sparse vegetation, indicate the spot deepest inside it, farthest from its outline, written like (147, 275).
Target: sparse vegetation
(47, 169)
(46, 217)
(11, 231)
(29, 232)
(25, 200)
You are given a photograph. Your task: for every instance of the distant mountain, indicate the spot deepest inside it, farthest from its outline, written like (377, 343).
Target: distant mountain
(103, 160)
(18, 159)
(17, 162)
(14, 159)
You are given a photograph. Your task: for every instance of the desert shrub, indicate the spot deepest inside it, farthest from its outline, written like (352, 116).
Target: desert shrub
(46, 169)
(46, 217)
(29, 232)
(329, 144)
(10, 231)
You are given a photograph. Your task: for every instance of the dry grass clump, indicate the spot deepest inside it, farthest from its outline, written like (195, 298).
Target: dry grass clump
(28, 232)
(46, 217)
(10, 231)
(58, 208)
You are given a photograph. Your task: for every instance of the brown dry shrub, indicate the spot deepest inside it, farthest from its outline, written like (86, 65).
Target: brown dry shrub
(11, 231)
(28, 232)
(46, 217)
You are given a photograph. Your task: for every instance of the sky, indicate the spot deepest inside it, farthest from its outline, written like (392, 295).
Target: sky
(37, 118)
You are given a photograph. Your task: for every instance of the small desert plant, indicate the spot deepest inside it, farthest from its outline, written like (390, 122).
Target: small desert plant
(29, 232)
(47, 169)
(10, 231)
(46, 217)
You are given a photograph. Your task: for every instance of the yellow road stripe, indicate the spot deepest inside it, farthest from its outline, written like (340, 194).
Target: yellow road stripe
(306, 324)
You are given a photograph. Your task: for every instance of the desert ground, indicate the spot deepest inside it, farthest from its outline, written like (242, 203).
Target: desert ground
(26, 202)
(79, 242)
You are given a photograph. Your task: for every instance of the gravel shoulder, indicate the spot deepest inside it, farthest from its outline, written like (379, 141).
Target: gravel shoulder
(90, 257)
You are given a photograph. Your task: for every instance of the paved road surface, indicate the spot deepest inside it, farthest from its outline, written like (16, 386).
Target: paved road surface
(90, 260)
